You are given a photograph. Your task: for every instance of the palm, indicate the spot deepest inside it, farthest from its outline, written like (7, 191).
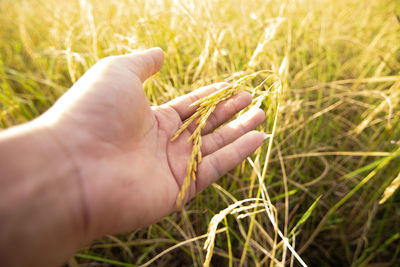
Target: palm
(130, 171)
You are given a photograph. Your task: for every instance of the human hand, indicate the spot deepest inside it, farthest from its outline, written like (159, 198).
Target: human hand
(100, 161)
(130, 173)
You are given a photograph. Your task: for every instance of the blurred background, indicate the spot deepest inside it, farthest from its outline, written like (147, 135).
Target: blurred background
(337, 139)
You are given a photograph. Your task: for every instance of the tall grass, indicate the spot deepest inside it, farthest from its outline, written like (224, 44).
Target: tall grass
(335, 148)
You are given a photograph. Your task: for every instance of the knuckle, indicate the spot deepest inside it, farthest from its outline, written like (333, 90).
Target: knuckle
(192, 98)
(242, 128)
(219, 139)
(212, 121)
(239, 157)
(216, 165)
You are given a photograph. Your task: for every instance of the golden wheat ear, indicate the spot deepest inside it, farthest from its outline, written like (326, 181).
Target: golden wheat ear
(206, 106)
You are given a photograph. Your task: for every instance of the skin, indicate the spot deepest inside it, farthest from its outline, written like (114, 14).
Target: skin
(100, 160)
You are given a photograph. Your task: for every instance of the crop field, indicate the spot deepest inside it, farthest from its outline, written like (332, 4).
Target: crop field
(313, 193)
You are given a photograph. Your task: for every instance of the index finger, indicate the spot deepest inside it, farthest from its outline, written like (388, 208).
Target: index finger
(182, 104)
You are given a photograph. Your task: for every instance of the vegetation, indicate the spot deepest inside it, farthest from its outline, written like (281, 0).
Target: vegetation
(331, 154)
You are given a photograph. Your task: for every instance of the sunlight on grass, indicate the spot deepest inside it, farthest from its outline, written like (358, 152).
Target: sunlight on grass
(333, 149)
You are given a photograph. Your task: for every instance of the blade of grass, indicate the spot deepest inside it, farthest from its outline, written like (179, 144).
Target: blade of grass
(305, 216)
(100, 259)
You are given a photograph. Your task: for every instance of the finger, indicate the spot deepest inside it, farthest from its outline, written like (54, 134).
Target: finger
(233, 130)
(220, 162)
(145, 63)
(225, 111)
(182, 104)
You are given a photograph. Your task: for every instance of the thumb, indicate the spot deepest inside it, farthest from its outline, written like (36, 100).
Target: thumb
(145, 63)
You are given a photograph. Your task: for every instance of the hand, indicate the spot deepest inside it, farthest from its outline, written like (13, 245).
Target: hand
(100, 161)
(130, 172)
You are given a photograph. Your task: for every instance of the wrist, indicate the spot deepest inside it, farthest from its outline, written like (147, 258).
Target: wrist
(39, 198)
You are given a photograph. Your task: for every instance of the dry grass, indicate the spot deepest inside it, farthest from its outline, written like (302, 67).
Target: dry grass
(389, 191)
(333, 151)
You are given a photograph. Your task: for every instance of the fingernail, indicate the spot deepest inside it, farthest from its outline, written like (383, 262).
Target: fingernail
(156, 48)
(266, 135)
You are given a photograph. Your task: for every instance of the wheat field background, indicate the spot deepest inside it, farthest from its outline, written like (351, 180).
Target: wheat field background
(337, 136)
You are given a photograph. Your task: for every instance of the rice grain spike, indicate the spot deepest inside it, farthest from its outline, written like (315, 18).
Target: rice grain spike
(206, 106)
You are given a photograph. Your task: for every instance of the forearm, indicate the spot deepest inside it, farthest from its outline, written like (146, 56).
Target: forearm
(40, 217)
